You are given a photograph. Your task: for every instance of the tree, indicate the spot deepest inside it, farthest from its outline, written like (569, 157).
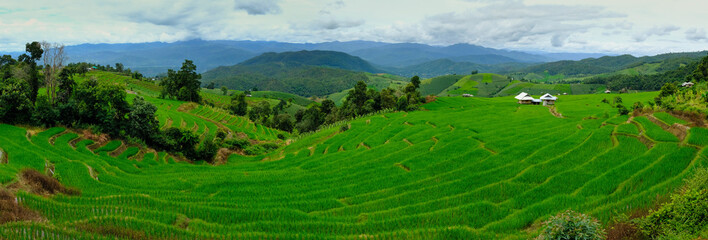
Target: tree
(15, 103)
(224, 90)
(311, 119)
(66, 85)
(103, 105)
(260, 112)
(119, 67)
(415, 80)
(183, 84)
(141, 120)
(53, 59)
(402, 104)
(388, 100)
(33, 54)
(239, 106)
(283, 122)
(701, 72)
(211, 85)
(327, 106)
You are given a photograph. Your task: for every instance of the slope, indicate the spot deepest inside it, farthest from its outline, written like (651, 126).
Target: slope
(467, 168)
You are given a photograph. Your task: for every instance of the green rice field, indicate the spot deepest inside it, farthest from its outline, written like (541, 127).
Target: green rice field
(462, 168)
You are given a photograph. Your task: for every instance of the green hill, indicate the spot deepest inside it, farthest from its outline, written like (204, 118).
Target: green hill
(465, 168)
(297, 79)
(304, 73)
(610, 64)
(314, 58)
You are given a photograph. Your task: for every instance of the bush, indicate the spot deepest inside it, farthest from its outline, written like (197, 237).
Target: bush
(269, 146)
(622, 110)
(254, 150)
(572, 225)
(237, 144)
(685, 214)
(281, 136)
(344, 128)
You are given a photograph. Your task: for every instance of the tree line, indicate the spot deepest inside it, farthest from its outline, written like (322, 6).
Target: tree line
(359, 101)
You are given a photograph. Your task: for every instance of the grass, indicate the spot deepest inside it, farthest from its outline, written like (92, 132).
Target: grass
(668, 118)
(463, 168)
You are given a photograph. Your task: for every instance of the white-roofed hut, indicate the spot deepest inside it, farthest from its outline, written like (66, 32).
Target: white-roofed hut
(548, 99)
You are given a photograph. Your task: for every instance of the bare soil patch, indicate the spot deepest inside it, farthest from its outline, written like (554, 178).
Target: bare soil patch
(35, 182)
(11, 211)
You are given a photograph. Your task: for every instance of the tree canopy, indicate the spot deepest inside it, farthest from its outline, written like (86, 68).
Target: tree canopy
(183, 84)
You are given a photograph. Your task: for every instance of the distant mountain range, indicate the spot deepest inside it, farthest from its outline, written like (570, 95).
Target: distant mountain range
(155, 58)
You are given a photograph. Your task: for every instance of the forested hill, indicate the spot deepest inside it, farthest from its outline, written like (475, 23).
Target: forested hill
(610, 64)
(298, 79)
(315, 58)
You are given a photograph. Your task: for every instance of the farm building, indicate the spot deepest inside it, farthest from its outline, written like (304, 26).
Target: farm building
(548, 99)
(687, 84)
(525, 98)
(608, 91)
(466, 95)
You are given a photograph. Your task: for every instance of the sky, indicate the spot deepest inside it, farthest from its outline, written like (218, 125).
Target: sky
(639, 27)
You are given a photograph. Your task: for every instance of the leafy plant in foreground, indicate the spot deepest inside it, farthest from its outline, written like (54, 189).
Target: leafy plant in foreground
(572, 225)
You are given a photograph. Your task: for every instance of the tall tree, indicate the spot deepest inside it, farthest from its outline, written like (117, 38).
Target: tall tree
(183, 84)
(53, 59)
(119, 67)
(701, 72)
(415, 80)
(239, 106)
(33, 53)
(15, 104)
(224, 90)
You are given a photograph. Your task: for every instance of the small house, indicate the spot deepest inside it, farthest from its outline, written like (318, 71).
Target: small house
(608, 91)
(466, 95)
(248, 95)
(548, 99)
(525, 98)
(687, 84)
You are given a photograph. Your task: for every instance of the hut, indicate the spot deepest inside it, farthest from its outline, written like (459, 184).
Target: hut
(467, 95)
(608, 91)
(525, 98)
(548, 99)
(687, 84)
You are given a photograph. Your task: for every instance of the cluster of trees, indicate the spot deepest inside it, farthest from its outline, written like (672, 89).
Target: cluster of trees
(90, 104)
(184, 85)
(359, 101)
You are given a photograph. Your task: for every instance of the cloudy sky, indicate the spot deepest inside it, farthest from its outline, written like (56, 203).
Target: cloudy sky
(638, 27)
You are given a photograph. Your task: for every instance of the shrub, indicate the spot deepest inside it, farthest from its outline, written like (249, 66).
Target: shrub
(344, 128)
(622, 110)
(254, 150)
(236, 144)
(269, 146)
(572, 225)
(281, 136)
(685, 214)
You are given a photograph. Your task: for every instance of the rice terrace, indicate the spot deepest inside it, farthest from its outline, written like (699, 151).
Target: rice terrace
(248, 139)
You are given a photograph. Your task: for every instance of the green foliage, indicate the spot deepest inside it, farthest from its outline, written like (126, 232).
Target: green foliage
(224, 90)
(15, 102)
(260, 112)
(572, 225)
(686, 213)
(622, 110)
(183, 84)
(303, 80)
(142, 122)
(238, 105)
(700, 74)
(101, 104)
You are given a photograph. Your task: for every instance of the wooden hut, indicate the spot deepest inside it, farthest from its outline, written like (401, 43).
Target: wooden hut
(548, 99)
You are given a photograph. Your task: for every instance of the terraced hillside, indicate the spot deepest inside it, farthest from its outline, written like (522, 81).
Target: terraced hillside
(467, 168)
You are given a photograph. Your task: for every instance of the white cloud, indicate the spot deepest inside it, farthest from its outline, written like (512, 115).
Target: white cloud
(259, 7)
(695, 34)
(628, 26)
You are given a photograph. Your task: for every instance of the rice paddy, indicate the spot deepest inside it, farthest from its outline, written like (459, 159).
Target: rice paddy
(463, 168)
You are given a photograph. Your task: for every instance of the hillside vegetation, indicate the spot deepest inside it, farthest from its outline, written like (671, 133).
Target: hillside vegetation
(467, 168)
(304, 73)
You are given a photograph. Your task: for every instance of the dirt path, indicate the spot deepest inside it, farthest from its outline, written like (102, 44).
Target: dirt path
(554, 112)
